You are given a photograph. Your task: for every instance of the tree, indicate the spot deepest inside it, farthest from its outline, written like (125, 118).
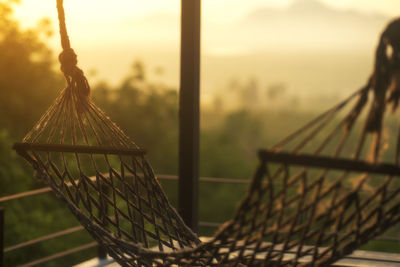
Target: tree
(28, 82)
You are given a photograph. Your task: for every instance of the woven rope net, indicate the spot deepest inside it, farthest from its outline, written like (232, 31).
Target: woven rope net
(316, 196)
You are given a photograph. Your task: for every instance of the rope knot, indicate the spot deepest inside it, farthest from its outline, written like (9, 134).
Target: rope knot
(68, 60)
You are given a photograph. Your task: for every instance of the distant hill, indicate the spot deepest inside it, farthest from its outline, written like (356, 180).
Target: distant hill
(314, 49)
(304, 24)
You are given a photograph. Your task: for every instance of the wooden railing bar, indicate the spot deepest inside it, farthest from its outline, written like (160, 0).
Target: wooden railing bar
(77, 149)
(329, 163)
(44, 238)
(25, 194)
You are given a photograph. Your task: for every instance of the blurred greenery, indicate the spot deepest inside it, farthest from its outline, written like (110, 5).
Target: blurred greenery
(148, 112)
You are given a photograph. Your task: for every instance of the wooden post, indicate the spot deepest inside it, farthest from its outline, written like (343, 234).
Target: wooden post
(1, 237)
(103, 212)
(189, 112)
(101, 252)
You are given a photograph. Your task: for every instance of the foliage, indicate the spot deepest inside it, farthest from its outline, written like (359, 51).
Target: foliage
(146, 112)
(28, 82)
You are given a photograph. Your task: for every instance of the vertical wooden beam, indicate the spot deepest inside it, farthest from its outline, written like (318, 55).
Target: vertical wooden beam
(1, 237)
(103, 213)
(189, 112)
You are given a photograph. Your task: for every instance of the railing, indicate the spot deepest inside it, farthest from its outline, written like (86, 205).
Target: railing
(5, 250)
(101, 253)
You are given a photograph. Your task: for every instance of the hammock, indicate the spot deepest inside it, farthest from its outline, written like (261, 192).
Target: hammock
(316, 196)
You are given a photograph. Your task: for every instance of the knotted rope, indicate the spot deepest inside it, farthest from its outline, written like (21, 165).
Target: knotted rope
(75, 77)
(386, 75)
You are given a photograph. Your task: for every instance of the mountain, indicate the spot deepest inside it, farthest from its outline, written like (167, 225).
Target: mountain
(311, 47)
(306, 24)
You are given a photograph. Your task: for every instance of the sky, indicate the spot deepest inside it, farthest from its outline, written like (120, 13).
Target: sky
(109, 35)
(218, 10)
(83, 17)
(95, 22)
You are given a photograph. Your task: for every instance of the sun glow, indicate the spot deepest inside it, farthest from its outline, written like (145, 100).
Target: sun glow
(106, 33)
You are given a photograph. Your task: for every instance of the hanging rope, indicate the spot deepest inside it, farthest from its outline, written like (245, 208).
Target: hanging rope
(68, 59)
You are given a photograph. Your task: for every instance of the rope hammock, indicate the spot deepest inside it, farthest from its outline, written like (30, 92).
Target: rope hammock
(316, 196)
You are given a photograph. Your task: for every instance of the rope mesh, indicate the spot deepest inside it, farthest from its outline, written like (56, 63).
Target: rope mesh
(316, 196)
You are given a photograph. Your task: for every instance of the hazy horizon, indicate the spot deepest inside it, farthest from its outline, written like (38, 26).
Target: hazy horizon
(316, 48)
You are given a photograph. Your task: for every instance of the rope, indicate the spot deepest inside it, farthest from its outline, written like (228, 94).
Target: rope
(65, 43)
(67, 58)
(75, 77)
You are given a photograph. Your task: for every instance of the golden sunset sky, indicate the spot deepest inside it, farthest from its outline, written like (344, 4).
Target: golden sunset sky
(92, 21)
(219, 10)
(109, 35)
